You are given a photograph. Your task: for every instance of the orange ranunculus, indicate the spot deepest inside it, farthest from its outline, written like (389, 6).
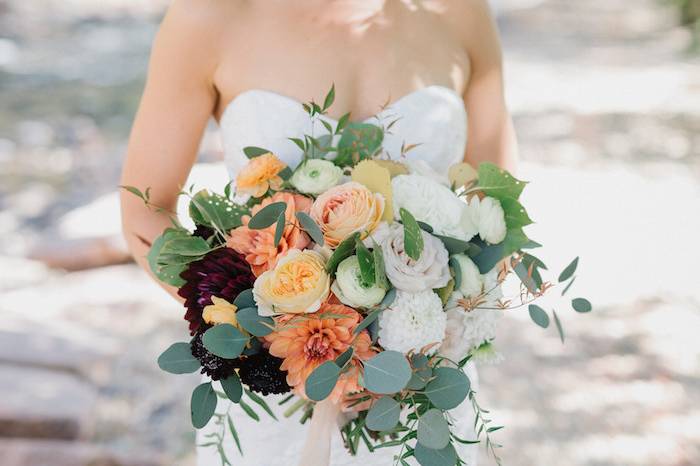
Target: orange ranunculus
(306, 342)
(346, 209)
(260, 174)
(258, 246)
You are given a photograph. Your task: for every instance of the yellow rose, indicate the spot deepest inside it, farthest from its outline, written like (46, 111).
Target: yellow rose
(220, 312)
(346, 209)
(298, 284)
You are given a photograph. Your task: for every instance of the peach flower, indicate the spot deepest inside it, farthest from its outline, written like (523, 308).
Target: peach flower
(346, 209)
(297, 285)
(306, 342)
(258, 246)
(260, 174)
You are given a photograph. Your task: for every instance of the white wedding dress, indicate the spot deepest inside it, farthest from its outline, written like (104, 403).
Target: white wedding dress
(435, 118)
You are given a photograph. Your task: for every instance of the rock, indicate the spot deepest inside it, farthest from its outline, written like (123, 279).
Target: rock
(62, 453)
(41, 403)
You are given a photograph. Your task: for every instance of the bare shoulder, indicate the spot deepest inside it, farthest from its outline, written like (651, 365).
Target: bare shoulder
(205, 17)
(468, 19)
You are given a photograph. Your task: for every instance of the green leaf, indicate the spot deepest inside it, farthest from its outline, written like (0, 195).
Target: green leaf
(491, 254)
(389, 298)
(379, 267)
(448, 388)
(383, 415)
(425, 227)
(498, 183)
(525, 278)
(225, 341)
(178, 359)
(267, 216)
(251, 151)
(386, 373)
(342, 122)
(234, 434)
(232, 387)
(261, 402)
(569, 271)
(345, 357)
(538, 315)
(366, 262)
(430, 457)
(581, 305)
(412, 235)
(186, 246)
(308, 224)
(248, 410)
(166, 274)
(254, 323)
(433, 430)
(456, 271)
(299, 143)
(327, 125)
(422, 372)
(202, 405)
(330, 98)
(135, 191)
(568, 285)
(244, 299)
(515, 214)
(359, 141)
(560, 328)
(322, 381)
(371, 317)
(216, 211)
(453, 245)
(279, 228)
(344, 250)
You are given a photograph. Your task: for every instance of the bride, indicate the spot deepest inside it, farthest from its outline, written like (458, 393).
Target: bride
(250, 64)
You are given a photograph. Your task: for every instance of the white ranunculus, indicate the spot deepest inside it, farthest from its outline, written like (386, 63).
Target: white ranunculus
(472, 282)
(467, 330)
(431, 202)
(316, 176)
(413, 321)
(349, 289)
(428, 272)
(489, 218)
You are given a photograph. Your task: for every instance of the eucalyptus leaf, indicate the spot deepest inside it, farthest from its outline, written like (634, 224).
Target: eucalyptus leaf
(389, 298)
(581, 305)
(344, 250)
(538, 315)
(568, 285)
(560, 328)
(491, 254)
(178, 359)
(202, 405)
(412, 235)
(366, 263)
(448, 388)
(383, 415)
(422, 372)
(251, 151)
(371, 317)
(433, 430)
(225, 341)
(425, 227)
(310, 226)
(267, 216)
(322, 380)
(569, 271)
(456, 272)
(245, 299)
(430, 457)
(254, 323)
(453, 245)
(279, 228)
(232, 387)
(344, 358)
(386, 373)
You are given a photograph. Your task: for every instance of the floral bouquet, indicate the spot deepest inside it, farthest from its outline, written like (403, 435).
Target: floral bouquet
(354, 276)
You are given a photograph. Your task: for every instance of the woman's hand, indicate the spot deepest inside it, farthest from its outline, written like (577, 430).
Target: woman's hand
(317, 448)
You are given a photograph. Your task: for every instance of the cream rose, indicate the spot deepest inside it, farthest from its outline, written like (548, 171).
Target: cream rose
(298, 284)
(428, 272)
(347, 209)
(488, 216)
(349, 289)
(316, 176)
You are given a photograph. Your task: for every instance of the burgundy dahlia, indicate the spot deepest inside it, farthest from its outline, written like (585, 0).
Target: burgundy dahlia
(222, 273)
(262, 374)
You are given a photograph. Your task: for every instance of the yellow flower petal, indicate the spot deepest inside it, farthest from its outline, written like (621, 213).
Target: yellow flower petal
(377, 179)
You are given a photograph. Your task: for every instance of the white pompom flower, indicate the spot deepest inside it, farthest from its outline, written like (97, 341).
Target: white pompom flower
(430, 271)
(316, 176)
(488, 216)
(412, 322)
(349, 288)
(432, 203)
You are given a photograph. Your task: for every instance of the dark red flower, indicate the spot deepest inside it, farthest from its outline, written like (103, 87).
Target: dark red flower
(222, 273)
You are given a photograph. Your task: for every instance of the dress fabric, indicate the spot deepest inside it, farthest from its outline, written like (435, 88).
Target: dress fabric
(433, 117)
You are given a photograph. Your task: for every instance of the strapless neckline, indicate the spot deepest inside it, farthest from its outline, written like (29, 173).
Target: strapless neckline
(278, 95)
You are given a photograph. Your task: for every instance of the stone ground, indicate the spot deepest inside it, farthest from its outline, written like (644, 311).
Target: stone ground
(605, 99)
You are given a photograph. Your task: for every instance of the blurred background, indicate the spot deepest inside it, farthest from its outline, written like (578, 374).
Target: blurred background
(606, 100)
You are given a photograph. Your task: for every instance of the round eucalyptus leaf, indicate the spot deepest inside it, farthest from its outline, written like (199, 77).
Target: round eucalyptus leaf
(433, 430)
(225, 341)
(568, 272)
(386, 373)
(178, 359)
(322, 381)
(232, 387)
(429, 457)
(581, 305)
(422, 372)
(244, 299)
(311, 227)
(344, 357)
(448, 388)
(538, 315)
(383, 415)
(267, 216)
(253, 323)
(202, 405)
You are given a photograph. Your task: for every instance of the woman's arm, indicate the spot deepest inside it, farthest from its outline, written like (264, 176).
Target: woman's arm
(491, 135)
(177, 102)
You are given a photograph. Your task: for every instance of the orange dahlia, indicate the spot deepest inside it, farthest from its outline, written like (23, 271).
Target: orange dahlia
(306, 342)
(258, 246)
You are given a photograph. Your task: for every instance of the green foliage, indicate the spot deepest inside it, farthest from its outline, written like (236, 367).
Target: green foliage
(367, 321)
(168, 269)
(279, 228)
(225, 341)
(560, 328)
(267, 216)
(498, 183)
(344, 250)
(344, 358)
(433, 430)
(454, 245)
(448, 388)
(358, 141)
(384, 414)
(491, 254)
(251, 151)
(581, 305)
(308, 224)
(244, 299)
(515, 214)
(422, 372)
(254, 323)
(178, 359)
(569, 271)
(412, 235)
(232, 387)
(379, 268)
(386, 373)
(216, 211)
(430, 457)
(322, 380)
(202, 405)
(456, 271)
(538, 315)
(366, 262)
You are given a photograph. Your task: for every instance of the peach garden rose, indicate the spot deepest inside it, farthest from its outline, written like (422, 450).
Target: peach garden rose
(298, 284)
(346, 209)
(260, 174)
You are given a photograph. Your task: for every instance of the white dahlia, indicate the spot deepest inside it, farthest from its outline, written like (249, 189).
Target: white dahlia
(488, 216)
(413, 321)
(428, 272)
(432, 203)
